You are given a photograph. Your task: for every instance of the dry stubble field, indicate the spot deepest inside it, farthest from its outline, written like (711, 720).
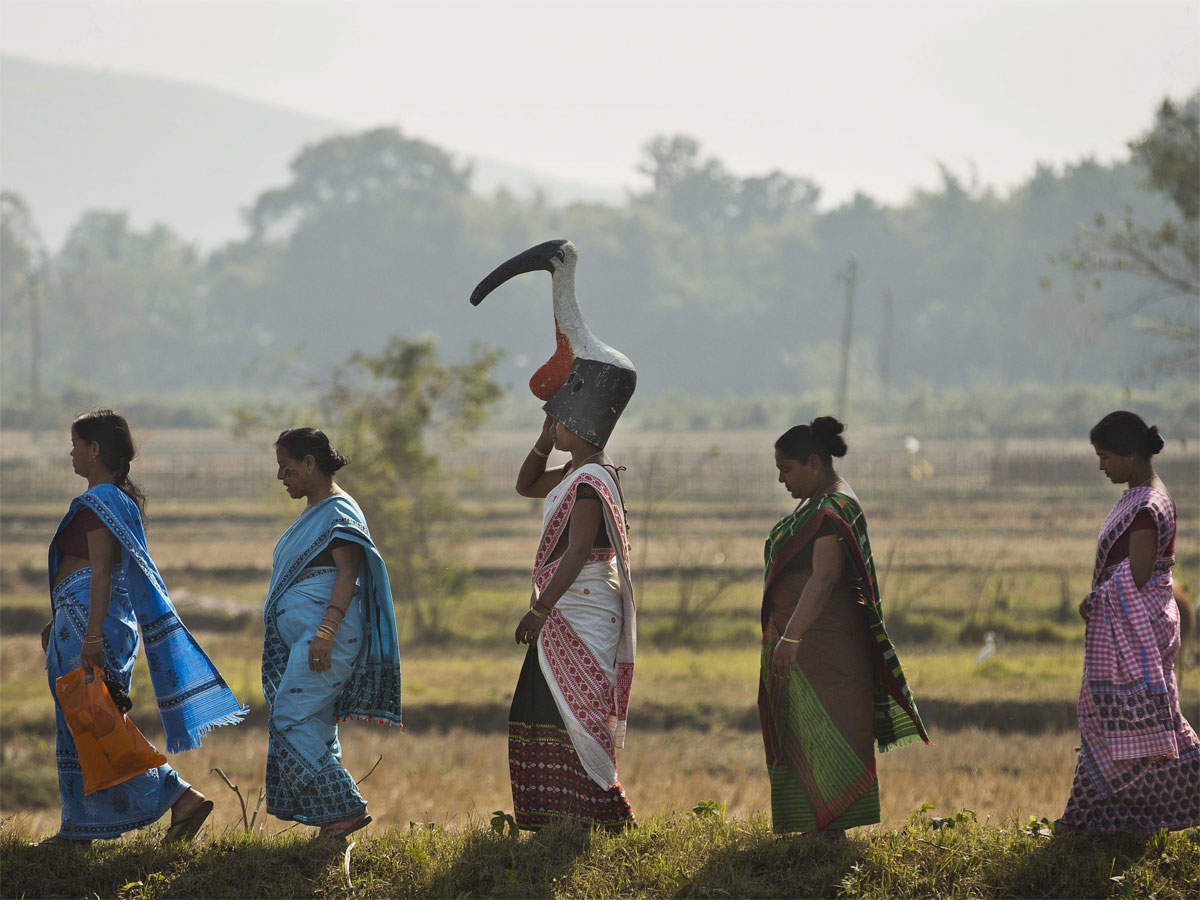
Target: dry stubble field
(967, 539)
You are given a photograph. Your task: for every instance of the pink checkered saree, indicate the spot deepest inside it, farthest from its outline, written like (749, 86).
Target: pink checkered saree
(1139, 758)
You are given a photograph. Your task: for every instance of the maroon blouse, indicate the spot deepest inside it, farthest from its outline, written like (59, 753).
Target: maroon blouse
(72, 540)
(1143, 521)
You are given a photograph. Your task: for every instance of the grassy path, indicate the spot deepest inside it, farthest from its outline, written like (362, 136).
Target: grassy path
(685, 855)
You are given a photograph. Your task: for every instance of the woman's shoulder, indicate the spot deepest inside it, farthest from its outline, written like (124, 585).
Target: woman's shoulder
(605, 470)
(340, 504)
(1160, 500)
(842, 501)
(1153, 497)
(108, 496)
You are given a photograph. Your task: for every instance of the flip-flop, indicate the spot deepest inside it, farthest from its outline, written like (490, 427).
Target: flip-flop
(186, 828)
(341, 833)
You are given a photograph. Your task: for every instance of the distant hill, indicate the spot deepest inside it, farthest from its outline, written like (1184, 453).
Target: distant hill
(77, 138)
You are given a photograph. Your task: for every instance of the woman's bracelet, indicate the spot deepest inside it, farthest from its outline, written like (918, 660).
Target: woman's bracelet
(337, 609)
(93, 638)
(545, 455)
(788, 640)
(537, 612)
(326, 631)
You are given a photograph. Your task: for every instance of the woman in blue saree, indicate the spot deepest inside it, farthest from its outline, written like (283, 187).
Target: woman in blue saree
(330, 650)
(103, 585)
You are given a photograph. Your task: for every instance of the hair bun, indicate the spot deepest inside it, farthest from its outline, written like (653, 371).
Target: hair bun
(308, 441)
(336, 460)
(1154, 441)
(828, 430)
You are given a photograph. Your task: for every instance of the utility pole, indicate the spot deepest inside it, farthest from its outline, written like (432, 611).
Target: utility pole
(885, 346)
(850, 278)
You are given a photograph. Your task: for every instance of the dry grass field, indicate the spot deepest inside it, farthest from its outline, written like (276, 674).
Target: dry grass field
(968, 538)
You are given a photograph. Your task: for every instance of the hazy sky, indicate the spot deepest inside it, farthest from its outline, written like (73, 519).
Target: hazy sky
(856, 95)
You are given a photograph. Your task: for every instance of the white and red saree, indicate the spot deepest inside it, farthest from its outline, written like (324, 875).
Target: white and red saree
(569, 710)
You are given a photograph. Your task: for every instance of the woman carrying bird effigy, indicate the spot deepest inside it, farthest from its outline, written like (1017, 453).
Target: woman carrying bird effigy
(568, 713)
(1139, 759)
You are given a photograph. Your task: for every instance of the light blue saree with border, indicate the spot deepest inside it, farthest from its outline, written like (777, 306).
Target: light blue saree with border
(192, 696)
(306, 781)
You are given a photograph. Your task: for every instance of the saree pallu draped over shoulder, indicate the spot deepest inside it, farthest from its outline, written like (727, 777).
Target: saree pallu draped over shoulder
(1139, 758)
(818, 781)
(306, 781)
(192, 696)
(569, 710)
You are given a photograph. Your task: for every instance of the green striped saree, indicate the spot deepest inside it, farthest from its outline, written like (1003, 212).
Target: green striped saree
(817, 781)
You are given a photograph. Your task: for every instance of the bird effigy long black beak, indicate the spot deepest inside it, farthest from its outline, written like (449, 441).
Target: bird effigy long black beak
(539, 258)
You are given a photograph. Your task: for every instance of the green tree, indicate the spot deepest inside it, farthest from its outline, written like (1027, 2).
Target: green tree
(372, 167)
(24, 270)
(130, 306)
(356, 235)
(386, 408)
(703, 193)
(1163, 259)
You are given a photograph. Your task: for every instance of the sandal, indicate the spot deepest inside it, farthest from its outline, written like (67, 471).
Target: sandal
(339, 832)
(186, 828)
(57, 840)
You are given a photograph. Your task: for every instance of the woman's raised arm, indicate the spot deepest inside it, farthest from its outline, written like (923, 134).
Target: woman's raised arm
(534, 479)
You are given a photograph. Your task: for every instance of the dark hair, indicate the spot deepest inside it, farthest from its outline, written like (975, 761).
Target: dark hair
(302, 442)
(822, 436)
(1126, 434)
(110, 430)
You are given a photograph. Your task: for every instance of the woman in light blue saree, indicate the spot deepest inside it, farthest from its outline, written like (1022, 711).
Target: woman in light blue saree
(330, 651)
(103, 585)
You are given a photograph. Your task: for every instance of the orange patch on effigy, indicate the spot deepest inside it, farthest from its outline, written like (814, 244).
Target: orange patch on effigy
(552, 374)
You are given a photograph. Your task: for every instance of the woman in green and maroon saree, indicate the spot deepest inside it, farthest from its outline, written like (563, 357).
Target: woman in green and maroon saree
(830, 686)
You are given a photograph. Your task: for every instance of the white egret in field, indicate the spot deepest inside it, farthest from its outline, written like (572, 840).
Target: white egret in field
(989, 647)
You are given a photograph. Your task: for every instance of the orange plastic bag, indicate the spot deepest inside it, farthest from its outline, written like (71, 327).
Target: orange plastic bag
(110, 747)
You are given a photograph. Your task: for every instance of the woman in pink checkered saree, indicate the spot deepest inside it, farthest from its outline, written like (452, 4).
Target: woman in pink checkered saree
(1139, 759)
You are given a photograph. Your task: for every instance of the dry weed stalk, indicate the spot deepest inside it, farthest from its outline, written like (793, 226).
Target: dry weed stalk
(247, 823)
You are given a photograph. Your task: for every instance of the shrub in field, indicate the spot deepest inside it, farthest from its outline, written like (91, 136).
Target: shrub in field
(386, 410)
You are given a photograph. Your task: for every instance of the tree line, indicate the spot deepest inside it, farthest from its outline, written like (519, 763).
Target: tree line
(714, 283)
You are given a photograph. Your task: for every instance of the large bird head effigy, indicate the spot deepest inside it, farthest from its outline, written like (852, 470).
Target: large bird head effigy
(585, 384)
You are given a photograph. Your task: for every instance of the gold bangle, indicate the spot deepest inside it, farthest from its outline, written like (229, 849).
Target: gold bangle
(537, 612)
(788, 640)
(326, 632)
(539, 452)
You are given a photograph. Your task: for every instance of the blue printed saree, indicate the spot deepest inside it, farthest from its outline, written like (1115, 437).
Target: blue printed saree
(192, 696)
(306, 781)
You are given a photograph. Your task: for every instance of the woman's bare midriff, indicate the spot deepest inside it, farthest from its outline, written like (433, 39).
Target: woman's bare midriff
(67, 566)
(600, 543)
